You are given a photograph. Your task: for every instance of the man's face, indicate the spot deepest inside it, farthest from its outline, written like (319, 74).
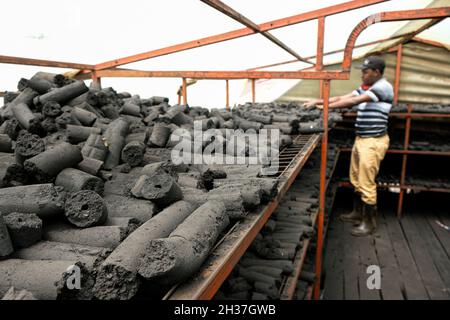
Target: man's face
(370, 76)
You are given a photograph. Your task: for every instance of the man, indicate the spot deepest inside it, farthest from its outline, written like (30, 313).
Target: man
(374, 99)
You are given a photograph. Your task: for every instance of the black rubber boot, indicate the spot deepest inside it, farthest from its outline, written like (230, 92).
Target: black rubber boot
(368, 224)
(355, 215)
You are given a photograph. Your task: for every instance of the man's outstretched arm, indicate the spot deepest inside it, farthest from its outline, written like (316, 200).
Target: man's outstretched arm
(350, 101)
(346, 101)
(316, 102)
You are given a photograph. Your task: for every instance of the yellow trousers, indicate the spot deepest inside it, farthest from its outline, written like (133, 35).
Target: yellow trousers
(367, 154)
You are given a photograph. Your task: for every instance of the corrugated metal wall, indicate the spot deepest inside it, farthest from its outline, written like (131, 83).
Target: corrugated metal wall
(425, 77)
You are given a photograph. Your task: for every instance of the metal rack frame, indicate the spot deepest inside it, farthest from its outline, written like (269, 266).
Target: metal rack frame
(110, 68)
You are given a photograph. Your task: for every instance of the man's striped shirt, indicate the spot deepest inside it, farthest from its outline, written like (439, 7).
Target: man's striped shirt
(372, 117)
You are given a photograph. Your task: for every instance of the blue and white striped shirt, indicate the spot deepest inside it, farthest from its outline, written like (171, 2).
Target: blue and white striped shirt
(372, 117)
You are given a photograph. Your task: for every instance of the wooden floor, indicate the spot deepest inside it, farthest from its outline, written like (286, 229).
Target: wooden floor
(413, 254)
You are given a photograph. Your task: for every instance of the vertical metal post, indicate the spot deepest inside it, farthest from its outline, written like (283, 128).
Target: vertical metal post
(322, 191)
(404, 163)
(325, 93)
(227, 89)
(184, 91)
(96, 79)
(319, 56)
(408, 121)
(397, 73)
(320, 38)
(253, 91)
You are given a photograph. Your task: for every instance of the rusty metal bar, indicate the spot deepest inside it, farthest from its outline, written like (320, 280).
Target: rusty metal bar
(334, 51)
(319, 52)
(184, 90)
(230, 12)
(253, 90)
(404, 162)
(227, 92)
(416, 32)
(320, 40)
(438, 13)
(430, 42)
(299, 260)
(325, 94)
(279, 23)
(323, 174)
(96, 78)
(397, 73)
(44, 63)
(223, 75)
(429, 13)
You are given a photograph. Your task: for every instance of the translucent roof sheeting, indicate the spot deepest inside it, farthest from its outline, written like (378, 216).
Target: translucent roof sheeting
(97, 31)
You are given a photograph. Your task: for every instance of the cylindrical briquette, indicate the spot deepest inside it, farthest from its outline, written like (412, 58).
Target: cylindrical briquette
(90, 256)
(6, 247)
(62, 94)
(102, 236)
(49, 163)
(168, 261)
(24, 229)
(114, 138)
(85, 209)
(45, 279)
(74, 180)
(117, 278)
(133, 153)
(158, 187)
(160, 135)
(41, 199)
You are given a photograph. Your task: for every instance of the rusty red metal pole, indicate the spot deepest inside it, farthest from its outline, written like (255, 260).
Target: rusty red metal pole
(404, 162)
(253, 90)
(397, 73)
(320, 39)
(96, 78)
(184, 90)
(227, 91)
(323, 168)
(408, 121)
(325, 94)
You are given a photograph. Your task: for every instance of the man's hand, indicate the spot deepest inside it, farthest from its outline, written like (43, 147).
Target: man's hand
(310, 104)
